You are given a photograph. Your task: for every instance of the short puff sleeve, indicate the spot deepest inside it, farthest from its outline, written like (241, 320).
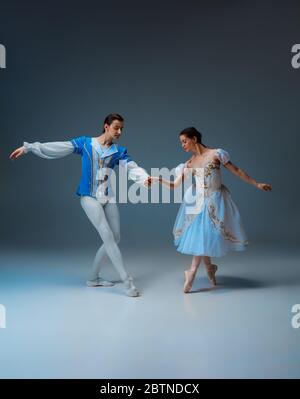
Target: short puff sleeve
(223, 156)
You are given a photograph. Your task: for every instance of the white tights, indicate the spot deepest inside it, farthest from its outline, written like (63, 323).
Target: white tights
(106, 220)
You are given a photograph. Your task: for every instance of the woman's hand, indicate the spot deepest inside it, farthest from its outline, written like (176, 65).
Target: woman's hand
(17, 153)
(150, 180)
(154, 179)
(264, 186)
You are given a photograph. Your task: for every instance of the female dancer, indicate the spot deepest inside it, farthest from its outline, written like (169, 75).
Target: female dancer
(99, 155)
(208, 223)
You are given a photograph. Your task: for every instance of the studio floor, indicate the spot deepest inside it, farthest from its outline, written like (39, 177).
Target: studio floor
(56, 327)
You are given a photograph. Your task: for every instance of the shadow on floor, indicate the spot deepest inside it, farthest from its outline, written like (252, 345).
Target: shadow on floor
(227, 283)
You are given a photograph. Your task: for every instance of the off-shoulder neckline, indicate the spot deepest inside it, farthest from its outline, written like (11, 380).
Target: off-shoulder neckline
(212, 161)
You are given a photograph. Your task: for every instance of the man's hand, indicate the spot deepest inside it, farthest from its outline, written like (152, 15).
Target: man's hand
(17, 153)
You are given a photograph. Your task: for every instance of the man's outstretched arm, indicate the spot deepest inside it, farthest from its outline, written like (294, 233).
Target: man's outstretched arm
(52, 150)
(135, 172)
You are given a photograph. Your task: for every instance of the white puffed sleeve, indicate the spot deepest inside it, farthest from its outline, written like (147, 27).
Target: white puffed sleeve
(56, 149)
(223, 156)
(136, 173)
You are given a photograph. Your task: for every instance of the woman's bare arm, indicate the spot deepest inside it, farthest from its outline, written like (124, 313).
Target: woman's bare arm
(172, 184)
(245, 177)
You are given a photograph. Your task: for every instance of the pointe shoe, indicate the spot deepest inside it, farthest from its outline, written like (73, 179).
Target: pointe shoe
(99, 282)
(211, 274)
(189, 279)
(130, 288)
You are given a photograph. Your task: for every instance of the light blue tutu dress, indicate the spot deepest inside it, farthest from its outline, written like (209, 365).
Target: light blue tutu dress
(208, 222)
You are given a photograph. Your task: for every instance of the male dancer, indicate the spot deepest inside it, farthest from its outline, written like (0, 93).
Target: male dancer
(99, 155)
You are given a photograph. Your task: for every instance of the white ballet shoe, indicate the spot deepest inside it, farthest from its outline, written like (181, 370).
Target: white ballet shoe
(130, 288)
(99, 282)
(211, 274)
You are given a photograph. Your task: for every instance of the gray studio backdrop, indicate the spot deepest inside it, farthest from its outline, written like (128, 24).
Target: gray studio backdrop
(221, 66)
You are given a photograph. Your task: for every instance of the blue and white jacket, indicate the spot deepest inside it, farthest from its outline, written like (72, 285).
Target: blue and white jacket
(97, 163)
